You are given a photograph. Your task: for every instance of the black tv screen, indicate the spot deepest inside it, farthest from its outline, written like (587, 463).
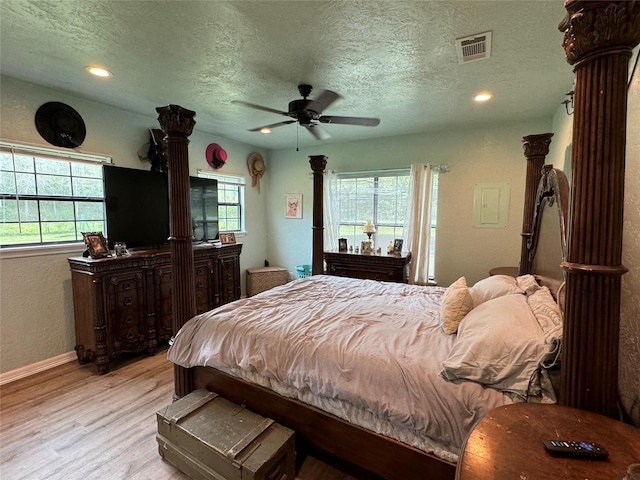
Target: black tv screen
(137, 206)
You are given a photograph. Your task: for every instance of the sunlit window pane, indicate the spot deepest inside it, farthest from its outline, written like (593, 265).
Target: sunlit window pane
(40, 195)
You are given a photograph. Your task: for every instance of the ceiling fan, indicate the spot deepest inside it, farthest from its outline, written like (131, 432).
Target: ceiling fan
(308, 113)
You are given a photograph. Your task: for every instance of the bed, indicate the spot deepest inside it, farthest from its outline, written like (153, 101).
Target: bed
(591, 295)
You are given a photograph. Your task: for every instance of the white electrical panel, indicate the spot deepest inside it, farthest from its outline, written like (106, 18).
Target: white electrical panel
(491, 205)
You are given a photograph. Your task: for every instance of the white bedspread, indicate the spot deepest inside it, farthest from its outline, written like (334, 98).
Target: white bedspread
(369, 352)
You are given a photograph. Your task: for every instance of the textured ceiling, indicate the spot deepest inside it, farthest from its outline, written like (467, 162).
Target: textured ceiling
(395, 60)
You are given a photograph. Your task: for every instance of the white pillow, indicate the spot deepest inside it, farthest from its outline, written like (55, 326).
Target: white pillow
(493, 287)
(456, 303)
(499, 344)
(549, 317)
(527, 283)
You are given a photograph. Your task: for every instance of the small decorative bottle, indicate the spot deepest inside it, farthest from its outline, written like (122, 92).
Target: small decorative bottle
(390, 248)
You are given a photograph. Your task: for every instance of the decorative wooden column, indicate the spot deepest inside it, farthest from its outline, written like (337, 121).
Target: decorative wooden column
(598, 39)
(536, 148)
(177, 124)
(318, 164)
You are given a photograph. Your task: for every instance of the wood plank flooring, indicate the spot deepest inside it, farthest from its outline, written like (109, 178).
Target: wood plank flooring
(69, 423)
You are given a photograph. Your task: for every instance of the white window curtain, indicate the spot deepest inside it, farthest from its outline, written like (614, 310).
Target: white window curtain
(331, 216)
(417, 229)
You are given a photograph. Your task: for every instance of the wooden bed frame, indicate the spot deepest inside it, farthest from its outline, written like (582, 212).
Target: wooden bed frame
(598, 39)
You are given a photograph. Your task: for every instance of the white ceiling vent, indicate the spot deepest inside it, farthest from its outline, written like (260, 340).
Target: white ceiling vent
(473, 48)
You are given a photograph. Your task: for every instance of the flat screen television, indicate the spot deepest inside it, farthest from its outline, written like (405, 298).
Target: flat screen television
(137, 207)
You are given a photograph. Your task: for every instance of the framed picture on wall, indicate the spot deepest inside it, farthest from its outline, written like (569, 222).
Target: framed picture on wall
(293, 205)
(96, 244)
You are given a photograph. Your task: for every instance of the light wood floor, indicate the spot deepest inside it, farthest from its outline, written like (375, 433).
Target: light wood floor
(69, 423)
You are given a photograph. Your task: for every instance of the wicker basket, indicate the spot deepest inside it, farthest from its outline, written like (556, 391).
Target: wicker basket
(260, 279)
(303, 271)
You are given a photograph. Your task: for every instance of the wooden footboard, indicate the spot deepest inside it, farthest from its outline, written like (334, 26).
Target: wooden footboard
(373, 452)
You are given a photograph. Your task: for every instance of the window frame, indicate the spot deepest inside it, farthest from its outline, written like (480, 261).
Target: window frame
(238, 181)
(39, 152)
(376, 174)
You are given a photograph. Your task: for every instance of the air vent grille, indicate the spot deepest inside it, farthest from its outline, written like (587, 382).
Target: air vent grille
(473, 48)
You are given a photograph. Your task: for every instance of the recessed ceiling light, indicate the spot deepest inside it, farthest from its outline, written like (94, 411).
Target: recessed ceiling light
(265, 131)
(483, 97)
(98, 71)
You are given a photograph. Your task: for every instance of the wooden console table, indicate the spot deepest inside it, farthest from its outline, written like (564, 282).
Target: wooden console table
(124, 304)
(384, 267)
(506, 444)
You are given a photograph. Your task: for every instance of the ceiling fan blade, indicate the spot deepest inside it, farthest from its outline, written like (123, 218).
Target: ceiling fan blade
(363, 121)
(317, 131)
(326, 98)
(273, 125)
(260, 107)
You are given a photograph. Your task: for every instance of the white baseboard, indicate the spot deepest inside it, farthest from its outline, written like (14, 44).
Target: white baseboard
(28, 370)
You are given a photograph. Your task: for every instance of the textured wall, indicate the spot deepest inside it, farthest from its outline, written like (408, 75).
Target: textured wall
(630, 307)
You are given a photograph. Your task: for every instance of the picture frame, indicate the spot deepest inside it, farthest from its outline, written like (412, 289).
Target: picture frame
(397, 246)
(342, 244)
(366, 247)
(96, 244)
(228, 238)
(293, 205)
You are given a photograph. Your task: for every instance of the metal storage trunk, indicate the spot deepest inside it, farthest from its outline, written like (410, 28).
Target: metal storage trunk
(260, 279)
(210, 438)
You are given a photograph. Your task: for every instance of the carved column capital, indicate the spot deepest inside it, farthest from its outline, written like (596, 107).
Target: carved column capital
(536, 145)
(176, 120)
(318, 163)
(592, 28)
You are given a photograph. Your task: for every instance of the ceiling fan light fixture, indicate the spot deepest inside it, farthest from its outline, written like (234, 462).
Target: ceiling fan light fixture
(98, 71)
(308, 113)
(483, 97)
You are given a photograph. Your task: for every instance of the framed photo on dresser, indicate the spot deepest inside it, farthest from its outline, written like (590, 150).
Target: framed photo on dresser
(397, 246)
(228, 238)
(96, 244)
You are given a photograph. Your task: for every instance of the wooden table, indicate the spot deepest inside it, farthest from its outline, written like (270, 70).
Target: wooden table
(507, 444)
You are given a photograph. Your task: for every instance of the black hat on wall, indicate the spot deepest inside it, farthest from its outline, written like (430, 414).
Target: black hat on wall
(60, 125)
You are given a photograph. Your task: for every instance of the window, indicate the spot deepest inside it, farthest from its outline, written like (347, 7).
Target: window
(48, 196)
(230, 201)
(381, 197)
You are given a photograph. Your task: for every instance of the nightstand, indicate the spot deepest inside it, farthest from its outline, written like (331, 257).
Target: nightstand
(506, 444)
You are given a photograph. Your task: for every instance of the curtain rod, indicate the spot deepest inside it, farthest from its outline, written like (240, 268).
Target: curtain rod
(441, 168)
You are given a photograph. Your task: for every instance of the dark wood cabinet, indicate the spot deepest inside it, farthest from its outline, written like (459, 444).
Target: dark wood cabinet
(390, 268)
(123, 304)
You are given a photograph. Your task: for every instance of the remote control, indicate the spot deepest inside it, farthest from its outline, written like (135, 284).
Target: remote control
(570, 448)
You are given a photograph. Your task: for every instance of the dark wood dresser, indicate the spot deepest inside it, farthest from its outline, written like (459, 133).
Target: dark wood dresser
(384, 267)
(123, 304)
